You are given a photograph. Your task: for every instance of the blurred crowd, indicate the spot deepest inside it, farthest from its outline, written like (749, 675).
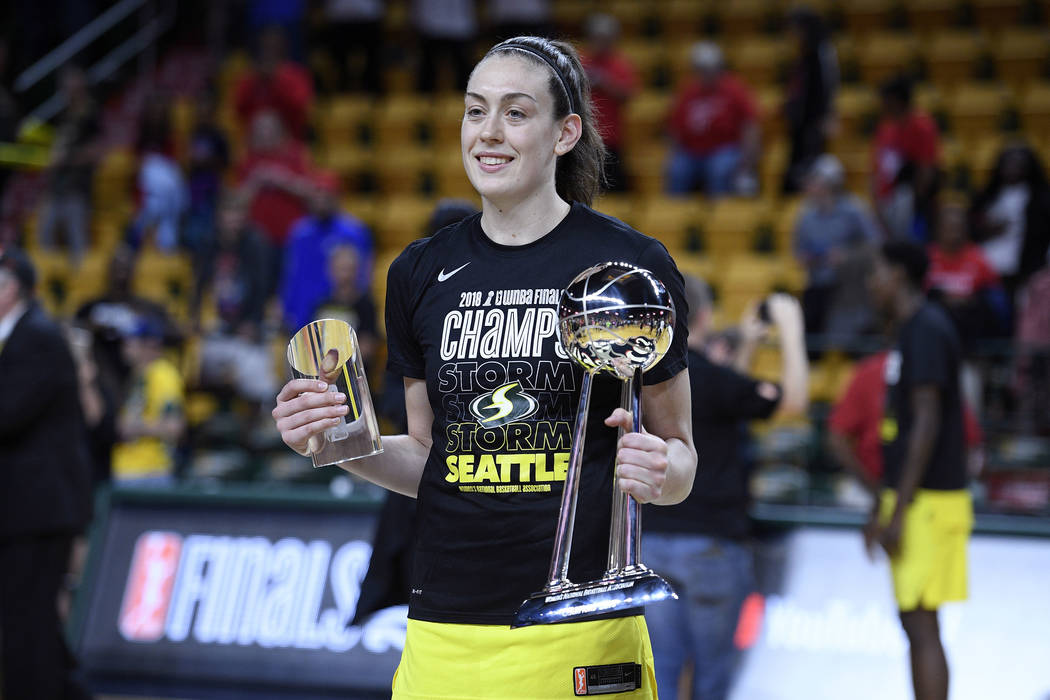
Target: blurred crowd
(269, 242)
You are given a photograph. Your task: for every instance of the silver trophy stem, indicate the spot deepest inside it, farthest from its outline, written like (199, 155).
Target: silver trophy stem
(619, 502)
(559, 573)
(632, 535)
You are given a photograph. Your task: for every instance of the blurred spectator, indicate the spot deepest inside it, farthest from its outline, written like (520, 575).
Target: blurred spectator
(447, 29)
(150, 423)
(207, 160)
(904, 163)
(448, 211)
(348, 302)
(283, 16)
(74, 153)
(234, 276)
(162, 189)
(714, 128)
(924, 515)
(613, 83)
(961, 279)
(275, 84)
(274, 176)
(304, 282)
(511, 18)
(810, 105)
(853, 438)
(114, 315)
(45, 489)
(353, 33)
(833, 238)
(97, 403)
(1033, 354)
(1012, 216)
(700, 545)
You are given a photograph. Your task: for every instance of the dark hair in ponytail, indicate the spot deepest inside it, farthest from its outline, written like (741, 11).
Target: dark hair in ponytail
(580, 172)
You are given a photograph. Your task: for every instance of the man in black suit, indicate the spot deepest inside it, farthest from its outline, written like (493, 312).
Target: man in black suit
(45, 488)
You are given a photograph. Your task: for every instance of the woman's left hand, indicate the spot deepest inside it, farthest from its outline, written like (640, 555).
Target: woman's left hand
(641, 459)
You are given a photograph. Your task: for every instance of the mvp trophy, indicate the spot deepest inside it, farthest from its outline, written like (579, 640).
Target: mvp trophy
(327, 350)
(615, 318)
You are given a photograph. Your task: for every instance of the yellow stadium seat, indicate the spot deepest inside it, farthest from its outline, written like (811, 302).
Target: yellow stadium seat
(631, 14)
(400, 118)
(401, 219)
(680, 19)
(854, 106)
(55, 276)
(450, 178)
(708, 269)
(645, 168)
(733, 224)
(90, 279)
(569, 15)
(884, 54)
(926, 16)
(620, 206)
(1035, 111)
(866, 16)
(448, 117)
(676, 221)
(951, 56)
(982, 156)
(785, 215)
(1021, 55)
(164, 278)
(743, 17)
(857, 163)
(773, 164)
(340, 121)
(402, 170)
(645, 118)
(997, 14)
(647, 57)
(759, 61)
(770, 100)
(760, 275)
(364, 208)
(976, 110)
(351, 161)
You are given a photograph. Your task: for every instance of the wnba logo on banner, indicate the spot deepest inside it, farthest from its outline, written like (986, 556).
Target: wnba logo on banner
(148, 590)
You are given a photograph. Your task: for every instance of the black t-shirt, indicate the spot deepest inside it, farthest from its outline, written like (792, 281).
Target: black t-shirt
(927, 353)
(478, 321)
(723, 400)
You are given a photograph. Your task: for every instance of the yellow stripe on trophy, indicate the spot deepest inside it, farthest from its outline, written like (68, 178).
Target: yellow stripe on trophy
(350, 390)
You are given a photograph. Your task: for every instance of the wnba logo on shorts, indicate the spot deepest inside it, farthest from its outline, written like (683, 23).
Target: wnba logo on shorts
(148, 590)
(581, 680)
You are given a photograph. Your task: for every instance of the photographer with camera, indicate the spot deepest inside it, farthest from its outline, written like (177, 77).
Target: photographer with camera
(700, 545)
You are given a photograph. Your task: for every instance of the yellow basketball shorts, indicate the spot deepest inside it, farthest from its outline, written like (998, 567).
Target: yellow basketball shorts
(930, 567)
(442, 661)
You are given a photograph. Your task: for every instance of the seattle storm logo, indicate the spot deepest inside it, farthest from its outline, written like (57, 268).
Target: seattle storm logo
(504, 405)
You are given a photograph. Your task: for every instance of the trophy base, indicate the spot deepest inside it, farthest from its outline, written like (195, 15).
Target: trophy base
(582, 600)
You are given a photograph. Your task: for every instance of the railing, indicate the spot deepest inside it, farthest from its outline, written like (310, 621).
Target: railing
(155, 19)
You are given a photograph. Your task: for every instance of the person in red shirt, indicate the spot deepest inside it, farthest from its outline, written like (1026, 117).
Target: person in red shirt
(714, 126)
(613, 83)
(962, 279)
(853, 426)
(904, 159)
(275, 84)
(275, 177)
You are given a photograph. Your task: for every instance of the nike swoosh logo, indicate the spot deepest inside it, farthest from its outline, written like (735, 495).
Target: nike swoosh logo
(442, 276)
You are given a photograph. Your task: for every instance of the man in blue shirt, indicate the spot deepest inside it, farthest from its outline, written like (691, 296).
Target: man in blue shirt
(305, 282)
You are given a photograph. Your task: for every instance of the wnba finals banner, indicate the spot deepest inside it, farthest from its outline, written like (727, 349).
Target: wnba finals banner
(191, 592)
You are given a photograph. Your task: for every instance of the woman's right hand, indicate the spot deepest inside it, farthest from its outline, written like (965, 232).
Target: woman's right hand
(305, 408)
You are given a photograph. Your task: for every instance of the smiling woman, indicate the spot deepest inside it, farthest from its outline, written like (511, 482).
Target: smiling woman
(491, 398)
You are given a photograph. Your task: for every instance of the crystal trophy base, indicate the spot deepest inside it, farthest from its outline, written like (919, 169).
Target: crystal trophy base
(630, 588)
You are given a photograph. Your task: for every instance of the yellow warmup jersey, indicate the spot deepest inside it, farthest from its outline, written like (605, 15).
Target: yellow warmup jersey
(445, 661)
(931, 566)
(157, 391)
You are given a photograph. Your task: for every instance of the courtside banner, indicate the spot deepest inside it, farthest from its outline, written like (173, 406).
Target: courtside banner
(246, 592)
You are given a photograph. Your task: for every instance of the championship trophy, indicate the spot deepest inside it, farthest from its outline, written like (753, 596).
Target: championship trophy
(327, 350)
(615, 318)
